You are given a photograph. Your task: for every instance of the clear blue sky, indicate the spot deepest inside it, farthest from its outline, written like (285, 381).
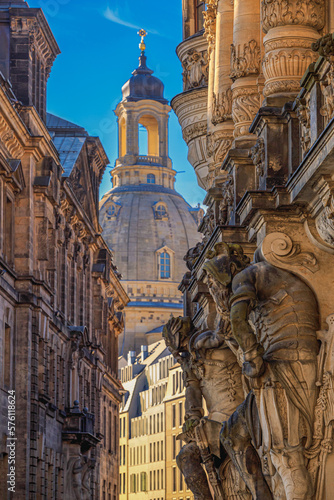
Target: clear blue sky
(99, 45)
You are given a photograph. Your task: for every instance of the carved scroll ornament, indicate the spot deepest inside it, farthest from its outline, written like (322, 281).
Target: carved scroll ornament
(279, 250)
(246, 103)
(292, 12)
(210, 23)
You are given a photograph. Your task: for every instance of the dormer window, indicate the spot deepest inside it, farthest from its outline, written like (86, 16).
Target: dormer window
(112, 210)
(150, 179)
(160, 210)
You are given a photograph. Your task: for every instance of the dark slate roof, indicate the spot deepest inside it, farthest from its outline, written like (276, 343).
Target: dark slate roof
(142, 85)
(156, 330)
(59, 126)
(68, 149)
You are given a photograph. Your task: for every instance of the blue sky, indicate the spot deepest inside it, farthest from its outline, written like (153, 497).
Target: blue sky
(99, 45)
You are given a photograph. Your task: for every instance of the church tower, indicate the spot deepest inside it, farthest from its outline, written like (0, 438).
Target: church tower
(148, 226)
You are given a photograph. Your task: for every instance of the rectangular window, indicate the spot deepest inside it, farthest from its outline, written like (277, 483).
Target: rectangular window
(123, 454)
(153, 452)
(150, 480)
(161, 421)
(174, 447)
(173, 416)
(115, 433)
(174, 479)
(162, 450)
(158, 448)
(8, 231)
(105, 427)
(158, 480)
(120, 455)
(143, 486)
(150, 452)
(180, 480)
(199, 20)
(110, 432)
(162, 478)
(124, 483)
(7, 365)
(180, 414)
(154, 483)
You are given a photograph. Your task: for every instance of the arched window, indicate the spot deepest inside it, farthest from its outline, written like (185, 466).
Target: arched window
(111, 211)
(161, 211)
(164, 265)
(150, 179)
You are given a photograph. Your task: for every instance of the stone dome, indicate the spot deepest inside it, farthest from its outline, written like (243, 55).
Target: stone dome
(139, 222)
(142, 85)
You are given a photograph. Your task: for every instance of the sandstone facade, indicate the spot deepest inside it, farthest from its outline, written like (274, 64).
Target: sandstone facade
(61, 301)
(267, 165)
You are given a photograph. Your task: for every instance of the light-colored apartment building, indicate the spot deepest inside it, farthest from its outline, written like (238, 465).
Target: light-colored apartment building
(151, 417)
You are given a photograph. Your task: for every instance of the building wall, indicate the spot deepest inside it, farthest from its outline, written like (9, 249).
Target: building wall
(61, 301)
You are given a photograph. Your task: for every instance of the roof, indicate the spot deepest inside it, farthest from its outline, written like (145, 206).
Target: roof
(142, 85)
(68, 149)
(59, 126)
(156, 330)
(172, 305)
(151, 188)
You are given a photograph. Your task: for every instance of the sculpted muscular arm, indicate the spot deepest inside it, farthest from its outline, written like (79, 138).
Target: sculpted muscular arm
(193, 399)
(242, 301)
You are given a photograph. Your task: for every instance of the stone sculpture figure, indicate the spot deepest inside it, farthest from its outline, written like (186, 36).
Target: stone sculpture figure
(211, 370)
(274, 319)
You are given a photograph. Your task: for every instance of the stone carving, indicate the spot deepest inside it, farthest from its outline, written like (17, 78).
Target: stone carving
(208, 224)
(8, 137)
(280, 250)
(78, 478)
(257, 153)
(274, 319)
(194, 130)
(286, 69)
(227, 203)
(216, 375)
(303, 114)
(195, 69)
(210, 23)
(325, 221)
(245, 60)
(325, 47)
(222, 107)
(246, 103)
(324, 414)
(292, 12)
(192, 255)
(217, 145)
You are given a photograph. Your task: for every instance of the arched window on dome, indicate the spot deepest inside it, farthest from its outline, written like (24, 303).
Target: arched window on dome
(150, 179)
(161, 211)
(111, 212)
(164, 265)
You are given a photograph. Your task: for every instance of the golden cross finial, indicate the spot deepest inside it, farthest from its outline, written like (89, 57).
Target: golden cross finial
(142, 45)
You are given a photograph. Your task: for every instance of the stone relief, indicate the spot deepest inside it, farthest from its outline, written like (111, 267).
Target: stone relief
(292, 12)
(325, 47)
(303, 114)
(195, 69)
(222, 107)
(245, 60)
(257, 154)
(227, 203)
(217, 145)
(194, 130)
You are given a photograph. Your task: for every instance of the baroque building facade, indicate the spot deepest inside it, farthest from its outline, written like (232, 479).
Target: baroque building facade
(257, 338)
(61, 301)
(151, 418)
(147, 224)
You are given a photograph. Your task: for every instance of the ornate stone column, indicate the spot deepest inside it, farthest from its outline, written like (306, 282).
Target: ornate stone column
(245, 66)
(291, 26)
(220, 123)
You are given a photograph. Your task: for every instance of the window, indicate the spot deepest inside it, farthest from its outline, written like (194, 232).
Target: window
(150, 179)
(199, 20)
(174, 478)
(111, 211)
(180, 481)
(164, 265)
(180, 414)
(162, 478)
(174, 447)
(110, 432)
(143, 486)
(161, 211)
(174, 416)
(7, 365)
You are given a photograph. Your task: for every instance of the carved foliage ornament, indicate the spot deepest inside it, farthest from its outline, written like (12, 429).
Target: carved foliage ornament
(195, 130)
(245, 60)
(246, 103)
(222, 107)
(296, 12)
(195, 69)
(210, 23)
